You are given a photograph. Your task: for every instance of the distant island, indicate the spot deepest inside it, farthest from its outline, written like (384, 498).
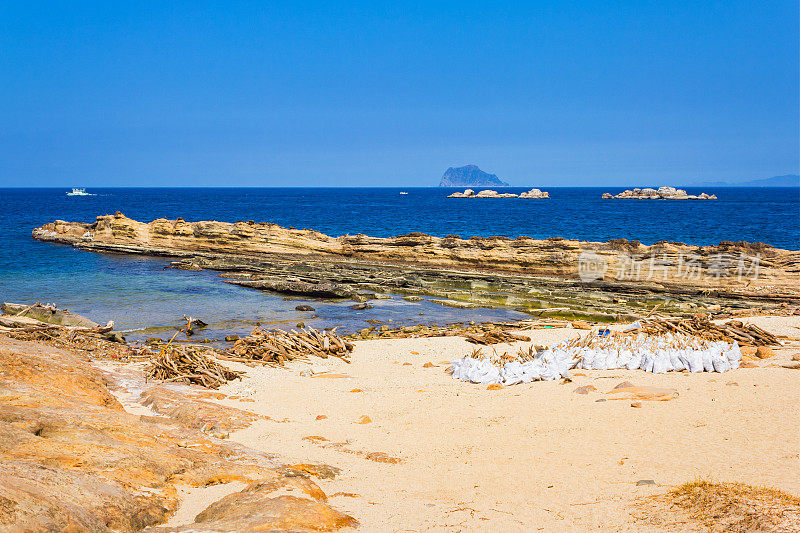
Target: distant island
(470, 176)
(787, 180)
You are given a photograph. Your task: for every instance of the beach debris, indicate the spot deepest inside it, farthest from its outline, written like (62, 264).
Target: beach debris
(586, 389)
(702, 327)
(364, 420)
(189, 364)
(193, 324)
(275, 347)
(496, 336)
(652, 353)
(645, 482)
(479, 331)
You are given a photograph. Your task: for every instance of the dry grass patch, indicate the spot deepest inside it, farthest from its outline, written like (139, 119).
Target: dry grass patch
(707, 506)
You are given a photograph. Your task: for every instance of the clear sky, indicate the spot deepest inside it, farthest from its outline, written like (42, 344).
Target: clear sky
(390, 94)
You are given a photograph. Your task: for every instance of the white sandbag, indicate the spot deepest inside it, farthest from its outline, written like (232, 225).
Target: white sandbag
(658, 355)
(721, 363)
(708, 364)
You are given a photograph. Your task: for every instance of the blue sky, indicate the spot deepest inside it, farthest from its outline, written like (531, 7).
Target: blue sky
(391, 94)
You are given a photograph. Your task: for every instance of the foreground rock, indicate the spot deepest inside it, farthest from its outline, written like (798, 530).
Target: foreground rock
(73, 459)
(49, 314)
(663, 193)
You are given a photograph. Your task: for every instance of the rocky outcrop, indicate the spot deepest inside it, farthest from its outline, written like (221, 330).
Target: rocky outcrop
(73, 459)
(521, 273)
(469, 176)
(535, 194)
(49, 314)
(470, 193)
(663, 193)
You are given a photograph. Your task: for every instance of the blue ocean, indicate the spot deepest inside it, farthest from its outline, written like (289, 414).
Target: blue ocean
(144, 297)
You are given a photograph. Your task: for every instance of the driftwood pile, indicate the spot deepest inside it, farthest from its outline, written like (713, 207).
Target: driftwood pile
(275, 347)
(700, 326)
(495, 336)
(189, 364)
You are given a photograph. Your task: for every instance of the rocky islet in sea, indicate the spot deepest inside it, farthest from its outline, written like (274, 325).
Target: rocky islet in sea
(535, 194)
(662, 193)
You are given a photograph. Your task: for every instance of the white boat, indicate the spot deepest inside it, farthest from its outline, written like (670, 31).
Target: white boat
(403, 192)
(79, 192)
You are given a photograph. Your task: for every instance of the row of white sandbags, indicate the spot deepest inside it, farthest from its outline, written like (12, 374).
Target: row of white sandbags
(711, 357)
(648, 355)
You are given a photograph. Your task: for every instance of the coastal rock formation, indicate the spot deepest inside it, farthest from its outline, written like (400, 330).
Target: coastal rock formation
(73, 459)
(522, 273)
(469, 176)
(663, 193)
(535, 194)
(49, 314)
(470, 193)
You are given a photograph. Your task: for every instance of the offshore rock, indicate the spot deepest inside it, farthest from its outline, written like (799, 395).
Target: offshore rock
(535, 194)
(663, 193)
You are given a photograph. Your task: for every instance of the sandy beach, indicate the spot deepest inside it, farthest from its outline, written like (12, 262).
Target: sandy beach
(527, 457)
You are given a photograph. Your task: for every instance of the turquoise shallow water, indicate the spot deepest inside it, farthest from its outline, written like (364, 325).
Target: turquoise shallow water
(138, 292)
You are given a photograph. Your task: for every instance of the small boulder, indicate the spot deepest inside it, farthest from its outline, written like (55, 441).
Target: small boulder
(586, 389)
(764, 352)
(304, 308)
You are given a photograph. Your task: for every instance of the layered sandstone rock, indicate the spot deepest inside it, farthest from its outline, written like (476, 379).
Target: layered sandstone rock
(73, 459)
(744, 268)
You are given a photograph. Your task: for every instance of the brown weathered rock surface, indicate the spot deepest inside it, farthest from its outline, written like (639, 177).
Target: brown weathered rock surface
(73, 459)
(551, 257)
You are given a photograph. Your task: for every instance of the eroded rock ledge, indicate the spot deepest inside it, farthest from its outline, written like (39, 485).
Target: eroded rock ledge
(73, 459)
(491, 269)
